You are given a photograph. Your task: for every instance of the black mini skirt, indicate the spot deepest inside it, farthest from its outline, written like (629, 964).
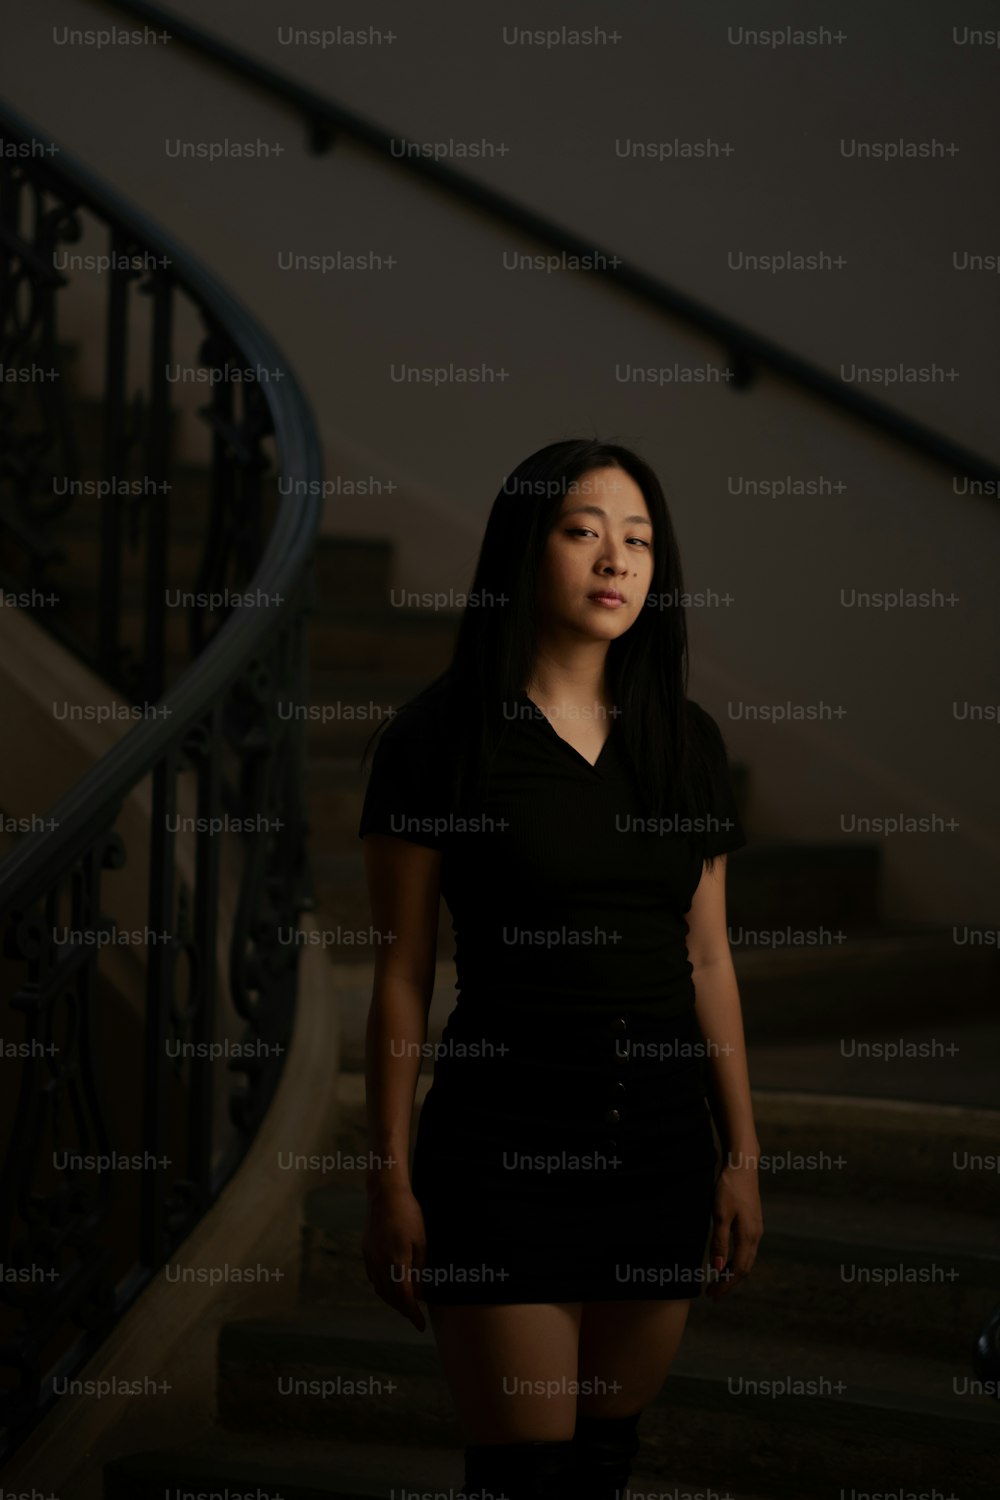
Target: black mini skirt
(565, 1154)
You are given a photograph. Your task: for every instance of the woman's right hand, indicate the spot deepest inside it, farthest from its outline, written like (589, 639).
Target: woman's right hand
(393, 1247)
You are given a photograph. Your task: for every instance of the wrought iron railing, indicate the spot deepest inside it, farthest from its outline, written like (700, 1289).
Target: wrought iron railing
(81, 1232)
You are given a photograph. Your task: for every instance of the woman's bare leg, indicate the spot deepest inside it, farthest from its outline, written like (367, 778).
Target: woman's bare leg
(625, 1352)
(488, 1352)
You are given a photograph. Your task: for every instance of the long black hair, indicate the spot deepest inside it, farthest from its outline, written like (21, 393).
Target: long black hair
(646, 668)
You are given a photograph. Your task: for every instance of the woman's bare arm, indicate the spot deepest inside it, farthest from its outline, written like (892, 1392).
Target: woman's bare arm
(720, 1017)
(404, 887)
(404, 891)
(737, 1209)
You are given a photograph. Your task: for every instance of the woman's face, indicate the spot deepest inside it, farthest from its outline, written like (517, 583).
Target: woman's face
(601, 542)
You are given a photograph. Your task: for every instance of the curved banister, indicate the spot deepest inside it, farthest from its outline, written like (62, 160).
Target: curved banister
(747, 350)
(289, 548)
(74, 1224)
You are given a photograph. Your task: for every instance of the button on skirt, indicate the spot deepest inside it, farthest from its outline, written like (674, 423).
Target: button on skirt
(565, 1154)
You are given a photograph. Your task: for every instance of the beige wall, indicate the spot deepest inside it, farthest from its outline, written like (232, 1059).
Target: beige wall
(893, 523)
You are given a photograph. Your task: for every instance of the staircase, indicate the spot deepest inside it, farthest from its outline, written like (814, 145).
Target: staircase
(845, 1362)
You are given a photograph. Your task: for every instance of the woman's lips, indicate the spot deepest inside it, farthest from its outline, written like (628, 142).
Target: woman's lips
(609, 601)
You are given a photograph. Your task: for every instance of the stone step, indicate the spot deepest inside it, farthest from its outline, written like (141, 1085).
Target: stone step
(847, 1150)
(954, 1063)
(810, 884)
(862, 983)
(413, 642)
(768, 1414)
(823, 1270)
(353, 573)
(920, 1284)
(314, 1469)
(894, 1151)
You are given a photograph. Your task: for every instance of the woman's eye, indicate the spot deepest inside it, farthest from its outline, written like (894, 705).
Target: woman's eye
(585, 531)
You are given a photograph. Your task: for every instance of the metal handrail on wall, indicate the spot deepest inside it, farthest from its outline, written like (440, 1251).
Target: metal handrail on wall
(746, 350)
(218, 722)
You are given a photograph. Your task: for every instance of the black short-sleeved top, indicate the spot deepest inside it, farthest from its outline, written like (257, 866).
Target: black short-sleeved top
(561, 888)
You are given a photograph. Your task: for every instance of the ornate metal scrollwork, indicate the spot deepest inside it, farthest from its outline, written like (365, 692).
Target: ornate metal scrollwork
(57, 1182)
(126, 1122)
(37, 436)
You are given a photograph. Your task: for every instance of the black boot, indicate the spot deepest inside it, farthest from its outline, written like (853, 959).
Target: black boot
(605, 1448)
(540, 1470)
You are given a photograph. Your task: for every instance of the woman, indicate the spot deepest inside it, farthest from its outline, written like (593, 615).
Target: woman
(574, 809)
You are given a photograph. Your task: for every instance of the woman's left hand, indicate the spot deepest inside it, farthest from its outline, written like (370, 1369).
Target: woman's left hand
(736, 1211)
